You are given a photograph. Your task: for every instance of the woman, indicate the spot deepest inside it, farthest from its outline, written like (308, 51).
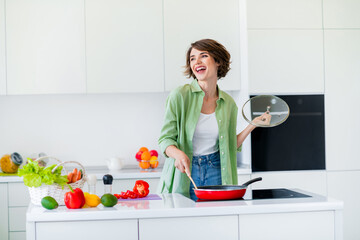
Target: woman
(199, 133)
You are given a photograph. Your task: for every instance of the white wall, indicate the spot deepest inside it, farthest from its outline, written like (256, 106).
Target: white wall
(85, 128)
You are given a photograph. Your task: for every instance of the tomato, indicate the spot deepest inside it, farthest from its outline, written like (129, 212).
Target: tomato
(117, 196)
(154, 153)
(138, 156)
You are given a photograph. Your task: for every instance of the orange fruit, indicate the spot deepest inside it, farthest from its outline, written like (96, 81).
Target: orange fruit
(154, 164)
(153, 158)
(144, 164)
(143, 149)
(145, 155)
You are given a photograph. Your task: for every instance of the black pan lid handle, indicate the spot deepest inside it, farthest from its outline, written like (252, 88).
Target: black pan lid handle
(252, 181)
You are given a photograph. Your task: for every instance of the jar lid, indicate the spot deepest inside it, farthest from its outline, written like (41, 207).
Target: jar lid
(107, 179)
(16, 158)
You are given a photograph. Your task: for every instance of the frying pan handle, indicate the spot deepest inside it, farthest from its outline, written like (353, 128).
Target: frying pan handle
(252, 181)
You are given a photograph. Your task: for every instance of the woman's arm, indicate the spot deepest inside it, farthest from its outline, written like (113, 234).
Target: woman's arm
(182, 162)
(243, 135)
(264, 119)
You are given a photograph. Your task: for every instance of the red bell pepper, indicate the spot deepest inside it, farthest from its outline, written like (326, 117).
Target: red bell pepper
(74, 199)
(141, 188)
(131, 194)
(123, 195)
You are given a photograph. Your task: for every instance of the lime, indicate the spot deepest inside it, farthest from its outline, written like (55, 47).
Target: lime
(49, 203)
(109, 200)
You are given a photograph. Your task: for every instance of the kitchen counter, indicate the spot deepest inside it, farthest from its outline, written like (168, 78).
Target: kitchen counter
(313, 213)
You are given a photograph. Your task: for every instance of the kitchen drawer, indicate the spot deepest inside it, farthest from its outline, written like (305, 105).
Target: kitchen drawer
(17, 236)
(17, 218)
(18, 195)
(283, 226)
(107, 229)
(212, 227)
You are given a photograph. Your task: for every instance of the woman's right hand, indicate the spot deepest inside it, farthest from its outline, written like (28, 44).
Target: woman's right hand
(182, 162)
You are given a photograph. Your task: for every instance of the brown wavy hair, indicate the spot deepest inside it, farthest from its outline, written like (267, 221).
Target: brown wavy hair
(215, 50)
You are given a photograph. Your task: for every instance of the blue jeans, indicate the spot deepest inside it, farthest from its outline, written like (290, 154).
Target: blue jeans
(206, 170)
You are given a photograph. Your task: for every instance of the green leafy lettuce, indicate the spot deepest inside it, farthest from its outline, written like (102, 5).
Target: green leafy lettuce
(35, 175)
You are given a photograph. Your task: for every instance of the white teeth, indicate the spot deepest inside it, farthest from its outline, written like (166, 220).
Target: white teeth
(200, 68)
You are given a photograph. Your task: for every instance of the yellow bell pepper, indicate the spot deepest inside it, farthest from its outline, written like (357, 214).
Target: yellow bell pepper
(92, 200)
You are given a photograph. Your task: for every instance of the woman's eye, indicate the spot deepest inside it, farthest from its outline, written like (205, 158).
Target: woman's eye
(192, 59)
(204, 55)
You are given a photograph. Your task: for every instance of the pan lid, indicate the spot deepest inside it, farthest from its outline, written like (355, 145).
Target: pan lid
(275, 106)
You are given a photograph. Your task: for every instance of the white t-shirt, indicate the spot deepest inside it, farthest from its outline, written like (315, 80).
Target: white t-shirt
(206, 135)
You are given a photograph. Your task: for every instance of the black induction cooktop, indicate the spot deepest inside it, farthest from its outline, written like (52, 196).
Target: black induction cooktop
(276, 193)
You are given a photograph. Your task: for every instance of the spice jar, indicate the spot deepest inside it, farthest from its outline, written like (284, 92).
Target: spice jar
(91, 181)
(10, 163)
(107, 179)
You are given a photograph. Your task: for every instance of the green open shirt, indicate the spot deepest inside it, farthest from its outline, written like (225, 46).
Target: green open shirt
(183, 108)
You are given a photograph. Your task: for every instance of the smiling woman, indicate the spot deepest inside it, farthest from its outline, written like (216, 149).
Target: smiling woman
(199, 135)
(206, 48)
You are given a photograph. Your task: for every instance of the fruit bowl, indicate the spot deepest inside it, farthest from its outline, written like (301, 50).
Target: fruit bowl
(148, 164)
(147, 159)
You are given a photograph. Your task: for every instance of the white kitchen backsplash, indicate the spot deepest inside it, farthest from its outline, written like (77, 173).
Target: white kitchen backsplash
(85, 128)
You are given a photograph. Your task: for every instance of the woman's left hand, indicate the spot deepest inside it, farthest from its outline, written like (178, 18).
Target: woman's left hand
(264, 119)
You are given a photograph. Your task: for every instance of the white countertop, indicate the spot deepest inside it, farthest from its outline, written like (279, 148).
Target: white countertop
(176, 205)
(125, 173)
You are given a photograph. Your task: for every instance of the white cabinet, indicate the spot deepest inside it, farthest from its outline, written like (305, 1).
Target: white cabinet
(343, 185)
(342, 51)
(286, 61)
(124, 46)
(18, 195)
(17, 219)
(45, 46)
(2, 49)
(17, 236)
(283, 226)
(4, 225)
(107, 229)
(299, 14)
(190, 20)
(214, 227)
(341, 14)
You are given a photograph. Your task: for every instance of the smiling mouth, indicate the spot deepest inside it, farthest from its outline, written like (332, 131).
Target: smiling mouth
(200, 69)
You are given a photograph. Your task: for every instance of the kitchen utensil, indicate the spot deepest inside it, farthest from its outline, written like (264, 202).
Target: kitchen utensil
(192, 181)
(223, 192)
(275, 106)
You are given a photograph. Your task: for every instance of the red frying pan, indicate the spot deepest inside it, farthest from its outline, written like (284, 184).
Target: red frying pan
(223, 192)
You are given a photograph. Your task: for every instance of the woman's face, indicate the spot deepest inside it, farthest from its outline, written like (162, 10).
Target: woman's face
(203, 65)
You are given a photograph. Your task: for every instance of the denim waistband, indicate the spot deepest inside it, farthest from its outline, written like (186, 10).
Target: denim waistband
(206, 158)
